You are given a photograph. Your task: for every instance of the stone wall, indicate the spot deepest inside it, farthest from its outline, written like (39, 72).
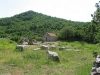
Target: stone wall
(96, 66)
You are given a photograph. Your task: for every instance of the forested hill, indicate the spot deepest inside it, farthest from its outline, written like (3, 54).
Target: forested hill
(33, 25)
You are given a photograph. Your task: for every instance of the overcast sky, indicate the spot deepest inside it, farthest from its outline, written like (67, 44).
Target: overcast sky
(75, 10)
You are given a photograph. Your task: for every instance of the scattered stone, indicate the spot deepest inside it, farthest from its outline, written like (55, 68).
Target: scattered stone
(44, 47)
(52, 55)
(98, 70)
(52, 47)
(21, 47)
(93, 73)
(62, 48)
(25, 43)
(96, 66)
(77, 50)
(93, 69)
(98, 59)
(30, 42)
(12, 64)
(37, 49)
(69, 49)
(34, 40)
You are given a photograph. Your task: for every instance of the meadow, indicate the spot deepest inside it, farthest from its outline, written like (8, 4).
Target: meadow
(35, 62)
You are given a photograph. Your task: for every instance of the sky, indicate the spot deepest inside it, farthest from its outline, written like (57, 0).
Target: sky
(75, 10)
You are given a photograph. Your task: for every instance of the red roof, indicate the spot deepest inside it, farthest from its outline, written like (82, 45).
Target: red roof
(51, 34)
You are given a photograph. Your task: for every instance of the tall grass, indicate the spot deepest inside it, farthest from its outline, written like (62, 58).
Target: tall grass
(84, 70)
(35, 62)
(6, 44)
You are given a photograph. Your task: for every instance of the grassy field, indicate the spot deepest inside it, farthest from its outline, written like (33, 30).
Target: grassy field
(35, 62)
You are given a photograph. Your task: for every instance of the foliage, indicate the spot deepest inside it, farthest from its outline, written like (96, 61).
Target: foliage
(67, 33)
(95, 54)
(31, 24)
(6, 44)
(95, 16)
(94, 28)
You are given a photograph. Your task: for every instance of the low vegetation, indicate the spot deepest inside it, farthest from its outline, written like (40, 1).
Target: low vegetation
(77, 59)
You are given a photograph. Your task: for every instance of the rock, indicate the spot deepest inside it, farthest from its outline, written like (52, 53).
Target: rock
(44, 47)
(25, 43)
(12, 64)
(30, 42)
(98, 70)
(98, 59)
(93, 69)
(37, 49)
(62, 48)
(52, 47)
(93, 73)
(76, 50)
(21, 47)
(96, 66)
(52, 55)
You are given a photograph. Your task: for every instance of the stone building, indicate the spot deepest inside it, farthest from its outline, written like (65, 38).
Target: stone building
(49, 37)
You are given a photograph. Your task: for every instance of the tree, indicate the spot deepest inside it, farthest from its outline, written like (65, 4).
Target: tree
(67, 33)
(93, 29)
(96, 15)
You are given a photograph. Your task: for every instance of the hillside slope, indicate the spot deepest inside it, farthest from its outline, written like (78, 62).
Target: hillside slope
(33, 24)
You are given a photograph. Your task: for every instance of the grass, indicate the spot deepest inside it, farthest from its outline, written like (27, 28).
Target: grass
(35, 62)
(85, 69)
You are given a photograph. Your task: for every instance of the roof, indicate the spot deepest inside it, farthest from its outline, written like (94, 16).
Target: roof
(52, 34)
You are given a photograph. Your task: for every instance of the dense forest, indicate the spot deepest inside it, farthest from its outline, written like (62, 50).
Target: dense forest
(32, 24)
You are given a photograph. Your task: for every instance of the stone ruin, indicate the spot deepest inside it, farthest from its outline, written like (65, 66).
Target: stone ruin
(96, 66)
(53, 55)
(30, 42)
(44, 47)
(21, 47)
(26, 41)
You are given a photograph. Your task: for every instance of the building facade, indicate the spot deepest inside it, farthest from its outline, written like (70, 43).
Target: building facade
(50, 37)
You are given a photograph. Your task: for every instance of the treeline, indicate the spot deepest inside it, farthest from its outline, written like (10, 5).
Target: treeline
(31, 24)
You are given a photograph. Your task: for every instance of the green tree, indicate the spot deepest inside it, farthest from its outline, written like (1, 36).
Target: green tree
(67, 33)
(94, 27)
(96, 15)
(91, 33)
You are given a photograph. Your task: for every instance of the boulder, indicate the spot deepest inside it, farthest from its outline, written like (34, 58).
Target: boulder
(93, 73)
(37, 49)
(34, 40)
(96, 64)
(98, 70)
(76, 50)
(52, 55)
(98, 59)
(44, 47)
(52, 47)
(62, 48)
(30, 42)
(93, 69)
(24, 43)
(21, 47)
